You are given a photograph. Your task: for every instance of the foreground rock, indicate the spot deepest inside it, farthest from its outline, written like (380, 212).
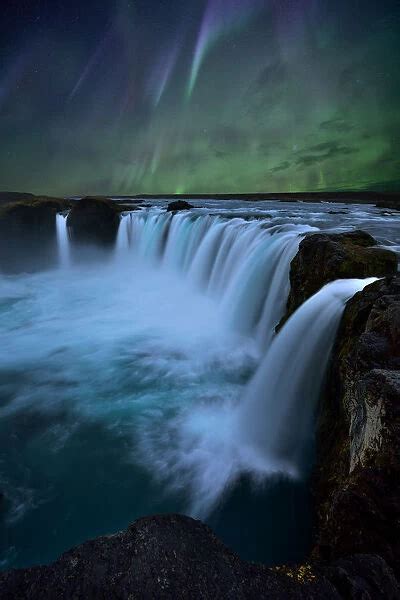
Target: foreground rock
(174, 557)
(324, 257)
(94, 220)
(28, 234)
(178, 205)
(357, 480)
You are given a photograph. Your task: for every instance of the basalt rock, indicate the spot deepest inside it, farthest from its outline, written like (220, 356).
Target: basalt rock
(324, 257)
(358, 473)
(173, 556)
(28, 234)
(178, 205)
(94, 220)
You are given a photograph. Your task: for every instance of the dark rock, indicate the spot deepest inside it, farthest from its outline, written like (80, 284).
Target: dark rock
(324, 257)
(178, 205)
(8, 197)
(28, 234)
(365, 577)
(166, 556)
(392, 204)
(173, 556)
(356, 483)
(94, 220)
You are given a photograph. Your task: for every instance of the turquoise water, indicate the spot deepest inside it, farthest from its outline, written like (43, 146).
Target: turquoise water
(93, 364)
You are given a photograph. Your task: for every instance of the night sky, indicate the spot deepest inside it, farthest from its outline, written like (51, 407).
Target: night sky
(179, 96)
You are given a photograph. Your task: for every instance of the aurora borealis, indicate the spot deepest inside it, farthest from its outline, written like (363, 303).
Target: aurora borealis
(199, 96)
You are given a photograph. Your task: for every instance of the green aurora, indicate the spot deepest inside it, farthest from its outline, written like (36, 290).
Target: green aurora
(201, 97)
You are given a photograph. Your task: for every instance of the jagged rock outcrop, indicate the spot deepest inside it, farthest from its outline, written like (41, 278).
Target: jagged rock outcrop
(178, 205)
(94, 220)
(28, 234)
(358, 473)
(324, 257)
(173, 556)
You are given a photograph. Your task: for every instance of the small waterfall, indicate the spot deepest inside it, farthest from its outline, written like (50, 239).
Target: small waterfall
(63, 240)
(245, 266)
(124, 231)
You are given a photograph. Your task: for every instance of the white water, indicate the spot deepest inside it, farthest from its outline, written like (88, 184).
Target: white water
(63, 240)
(269, 430)
(244, 269)
(278, 408)
(125, 380)
(243, 266)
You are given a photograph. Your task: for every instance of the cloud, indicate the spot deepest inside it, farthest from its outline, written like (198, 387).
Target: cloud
(281, 167)
(321, 152)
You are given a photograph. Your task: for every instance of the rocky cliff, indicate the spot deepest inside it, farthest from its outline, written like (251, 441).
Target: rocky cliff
(357, 489)
(324, 257)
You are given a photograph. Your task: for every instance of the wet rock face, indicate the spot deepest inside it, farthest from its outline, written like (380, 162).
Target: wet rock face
(94, 221)
(178, 205)
(324, 257)
(173, 556)
(28, 235)
(357, 489)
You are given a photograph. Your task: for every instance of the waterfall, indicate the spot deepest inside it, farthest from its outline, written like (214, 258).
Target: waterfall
(269, 430)
(63, 240)
(278, 407)
(123, 237)
(243, 265)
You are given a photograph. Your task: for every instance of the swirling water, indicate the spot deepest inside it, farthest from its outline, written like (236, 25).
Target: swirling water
(127, 385)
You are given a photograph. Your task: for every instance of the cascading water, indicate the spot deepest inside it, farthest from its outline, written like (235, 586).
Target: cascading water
(129, 385)
(243, 265)
(268, 431)
(278, 408)
(63, 240)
